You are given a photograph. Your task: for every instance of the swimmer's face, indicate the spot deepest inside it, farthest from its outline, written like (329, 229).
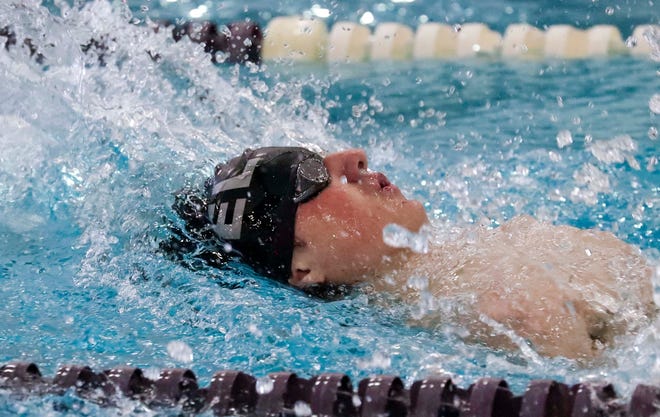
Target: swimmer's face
(339, 233)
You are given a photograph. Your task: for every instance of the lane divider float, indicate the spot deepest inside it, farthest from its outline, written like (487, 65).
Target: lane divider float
(293, 38)
(329, 394)
(309, 40)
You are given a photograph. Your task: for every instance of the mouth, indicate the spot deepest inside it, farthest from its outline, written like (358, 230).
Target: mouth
(382, 180)
(385, 184)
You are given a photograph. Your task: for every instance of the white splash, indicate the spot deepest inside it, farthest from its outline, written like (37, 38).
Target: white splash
(180, 351)
(614, 151)
(302, 409)
(264, 385)
(564, 138)
(397, 236)
(654, 103)
(590, 181)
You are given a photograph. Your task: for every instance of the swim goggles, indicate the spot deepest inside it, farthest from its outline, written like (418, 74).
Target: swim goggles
(311, 178)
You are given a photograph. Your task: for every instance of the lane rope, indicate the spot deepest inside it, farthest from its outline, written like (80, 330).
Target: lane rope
(233, 392)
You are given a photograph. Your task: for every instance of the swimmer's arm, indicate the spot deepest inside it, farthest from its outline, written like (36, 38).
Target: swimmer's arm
(550, 325)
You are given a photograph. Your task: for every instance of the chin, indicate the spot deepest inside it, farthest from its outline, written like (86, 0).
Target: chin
(415, 211)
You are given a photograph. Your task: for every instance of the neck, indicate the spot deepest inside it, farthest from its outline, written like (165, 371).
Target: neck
(438, 270)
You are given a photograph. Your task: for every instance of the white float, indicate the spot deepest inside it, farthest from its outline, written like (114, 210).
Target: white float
(295, 38)
(565, 41)
(604, 40)
(477, 39)
(521, 39)
(434, 40)
(348, 42)
(392, 41)
(645, 39)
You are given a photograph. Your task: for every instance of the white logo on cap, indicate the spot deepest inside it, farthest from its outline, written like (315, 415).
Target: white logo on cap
(222, 227)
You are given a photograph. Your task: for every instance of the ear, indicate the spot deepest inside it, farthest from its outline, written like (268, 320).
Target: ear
(304, 271)
(304, 277)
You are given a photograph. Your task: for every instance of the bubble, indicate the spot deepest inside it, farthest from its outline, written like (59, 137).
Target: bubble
(609, 11)
(180, 351)
(653, 133)
(654, 103)
(564, 138)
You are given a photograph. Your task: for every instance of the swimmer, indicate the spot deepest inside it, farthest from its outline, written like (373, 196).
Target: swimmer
(309, 220)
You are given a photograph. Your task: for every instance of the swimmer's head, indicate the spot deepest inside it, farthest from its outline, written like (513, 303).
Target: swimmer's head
(253, 199)
(297, 216)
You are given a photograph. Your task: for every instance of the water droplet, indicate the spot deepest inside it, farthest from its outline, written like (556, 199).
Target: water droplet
(180, 351)
(264, 385)
(398, 236)
(609, 11)
(302, 409)
(418, 282)
(554, 156)
(654, 103)
(227, 247)
(252, 328)
(653, 133)
(564, 138)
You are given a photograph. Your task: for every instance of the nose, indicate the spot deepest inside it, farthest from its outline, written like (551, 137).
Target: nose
(346, 163)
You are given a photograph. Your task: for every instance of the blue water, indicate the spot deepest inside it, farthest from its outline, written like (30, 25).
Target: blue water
(91, 157)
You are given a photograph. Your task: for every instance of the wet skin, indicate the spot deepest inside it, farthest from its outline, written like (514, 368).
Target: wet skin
(564, 291)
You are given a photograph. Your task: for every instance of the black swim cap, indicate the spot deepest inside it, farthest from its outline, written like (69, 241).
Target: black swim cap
(252, 203)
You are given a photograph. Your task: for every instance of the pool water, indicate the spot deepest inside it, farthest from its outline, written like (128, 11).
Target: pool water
(92, 155)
